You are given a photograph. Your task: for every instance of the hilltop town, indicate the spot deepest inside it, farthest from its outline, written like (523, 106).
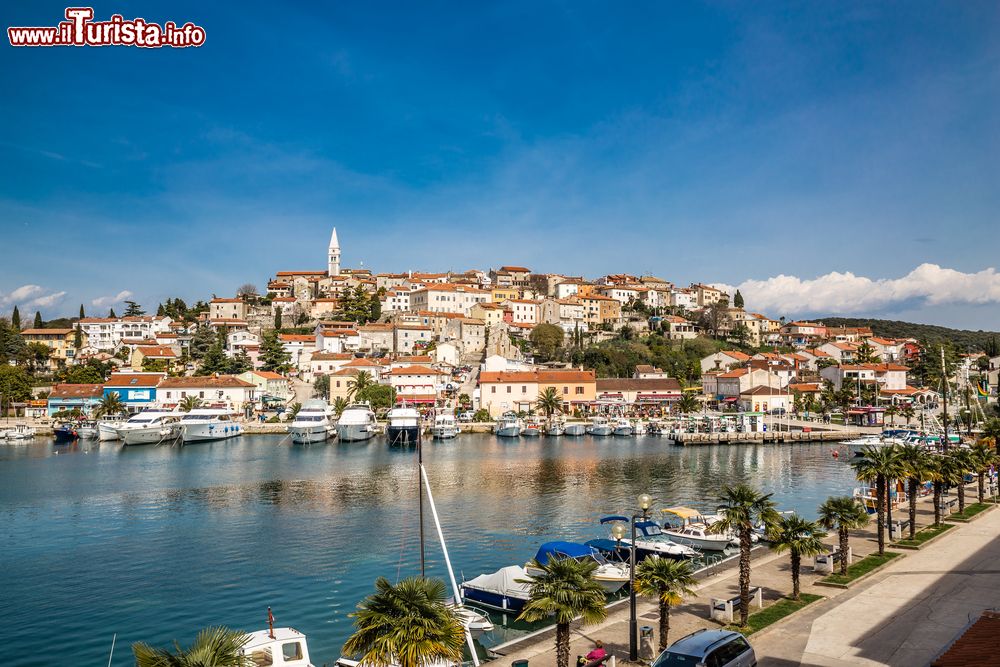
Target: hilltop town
(488, 341)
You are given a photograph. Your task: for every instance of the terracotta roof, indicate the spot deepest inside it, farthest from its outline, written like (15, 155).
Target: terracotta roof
(764, 391)
(515, 269)
(346, 372)
(498, 377)
(568, 375)
(739, 372)
(414, 370)
(331, 356)
(157, 351)
(976, 647)
(218, 300)
(805, 387)
(134, 379)
(735, 354)
(212, 381)
(361, 363)
(269, 375)
(416, 359)
(632, 384)
(301, 273)
(77, 391)
(873, 367)
(297, 338)
(53, 332)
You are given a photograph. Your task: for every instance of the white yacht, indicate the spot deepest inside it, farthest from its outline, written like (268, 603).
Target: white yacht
(404, 426)
(312, 423)
(599, 426)
(445, 426)
(650, 540)
(19, 432)
(694, 531)
(623, 426)
(509, 426)
(357, 422)
(575, 429)
(555, 426)
(151, 427)
(611, 576)
(107, 429)
(206, 424)
(281, 647)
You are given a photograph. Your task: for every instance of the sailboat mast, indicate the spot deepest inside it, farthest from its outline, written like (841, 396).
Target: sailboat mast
(944, 394)
(420, 492)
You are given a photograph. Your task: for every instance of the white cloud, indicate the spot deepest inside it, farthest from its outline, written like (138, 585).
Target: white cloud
(108, 300)
(47, 300)
(31, 295)
(846, 293)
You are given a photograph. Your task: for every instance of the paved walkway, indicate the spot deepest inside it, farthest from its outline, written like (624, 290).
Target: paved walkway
(902, 615)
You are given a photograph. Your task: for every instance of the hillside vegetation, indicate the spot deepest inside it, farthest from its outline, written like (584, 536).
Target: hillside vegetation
(929, 334)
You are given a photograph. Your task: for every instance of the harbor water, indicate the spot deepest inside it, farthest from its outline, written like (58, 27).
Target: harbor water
(155, 543)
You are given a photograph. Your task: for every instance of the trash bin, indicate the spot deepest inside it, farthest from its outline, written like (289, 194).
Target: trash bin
(646, 647)
(519, 663)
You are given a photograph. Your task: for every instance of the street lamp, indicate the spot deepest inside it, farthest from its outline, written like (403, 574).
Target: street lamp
(618, 532)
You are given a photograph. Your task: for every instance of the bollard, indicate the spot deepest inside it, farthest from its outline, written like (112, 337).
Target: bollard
(646, 648)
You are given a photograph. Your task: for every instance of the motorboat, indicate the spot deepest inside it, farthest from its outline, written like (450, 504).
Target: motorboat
(477, 623)
(445, 426)
(623, 426)
(20, 432)
(508, 426)
(404, 426)
(638, 427)
(207, 424)
(650, 540)
(555, 426)
(312, 423)
(694, 530)
(65, 432)
(87, 430)
(868, 440)
(611, 576)
(151, 427)
(507, 589)
(575, 429)
(599, 426)
(356, 423)
(281, 647)
(655, 428)
(107, 429)
(533, 428)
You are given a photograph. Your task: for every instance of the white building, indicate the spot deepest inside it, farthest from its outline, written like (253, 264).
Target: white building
(447, 298)
(416, 384)
(104, 333)
(222, 391)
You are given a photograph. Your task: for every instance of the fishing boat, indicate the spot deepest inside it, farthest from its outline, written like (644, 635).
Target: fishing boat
(638, 427)
(404, 426)
(599, 426)
(281, 647)
(611, 576)
(107, 429)
(555, 426)
(87, 430)
(312, 423)
(20, 432)
(654, 428)
(508, 426)
(356, 423)
(694, 531)
(533, 428)
(623, 426)
(151, 427)
(507, 589)
(65, 432)
(208, 424)
(445, 426)
(576, 429)
(650, 540)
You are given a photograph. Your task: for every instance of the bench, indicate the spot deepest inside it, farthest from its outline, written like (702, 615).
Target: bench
(722, 609)
(897, 528)
(948, 505)
(825, 563)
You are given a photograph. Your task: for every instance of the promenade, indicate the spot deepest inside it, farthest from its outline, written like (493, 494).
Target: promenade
(904, 614)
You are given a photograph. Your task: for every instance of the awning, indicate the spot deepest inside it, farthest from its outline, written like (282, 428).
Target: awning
(730, 399)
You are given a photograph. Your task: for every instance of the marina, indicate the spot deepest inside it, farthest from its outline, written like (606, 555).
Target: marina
(155, 543)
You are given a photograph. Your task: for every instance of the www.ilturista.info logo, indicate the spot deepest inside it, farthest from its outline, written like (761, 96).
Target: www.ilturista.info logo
(81, 30)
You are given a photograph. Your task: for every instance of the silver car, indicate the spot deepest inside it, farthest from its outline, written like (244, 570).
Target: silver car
(709, 648)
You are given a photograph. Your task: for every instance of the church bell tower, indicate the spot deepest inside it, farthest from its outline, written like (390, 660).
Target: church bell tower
(333, 259)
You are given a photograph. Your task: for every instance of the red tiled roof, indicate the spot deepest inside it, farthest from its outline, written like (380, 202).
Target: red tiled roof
(76, 391)
(134, 379)
(211, 381)
(414, 370)
(41, 332)
(977, 647)
(157, 351)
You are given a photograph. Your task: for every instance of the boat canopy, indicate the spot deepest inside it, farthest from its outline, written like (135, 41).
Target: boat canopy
(504, 582)
(610, 519)
(561, 550)
(685, 513)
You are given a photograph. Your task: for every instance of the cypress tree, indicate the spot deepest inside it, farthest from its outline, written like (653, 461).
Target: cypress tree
(82, 314)
(112, 314)
(15, 319)
(38, 320)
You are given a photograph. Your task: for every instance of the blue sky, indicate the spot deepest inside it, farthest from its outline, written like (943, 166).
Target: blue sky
(728, 143)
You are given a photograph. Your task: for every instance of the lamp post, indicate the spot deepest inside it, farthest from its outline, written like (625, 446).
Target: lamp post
(618, 532)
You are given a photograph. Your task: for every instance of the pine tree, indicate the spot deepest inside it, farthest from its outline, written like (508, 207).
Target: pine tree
(277, 319)
(132, 309)
(82, 314)
(203, 339)
(112, 315)
(215, 361)
(161, 311)
(273, 356)
(15, 319)
(375, 308)
(38, 320)
(738, 300)
(77, 337)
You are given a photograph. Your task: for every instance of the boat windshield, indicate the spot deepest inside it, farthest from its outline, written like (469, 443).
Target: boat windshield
(192, 418)
(139, 421)
(309, 418)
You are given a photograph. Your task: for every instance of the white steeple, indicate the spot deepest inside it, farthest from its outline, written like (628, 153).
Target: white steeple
(333, 260)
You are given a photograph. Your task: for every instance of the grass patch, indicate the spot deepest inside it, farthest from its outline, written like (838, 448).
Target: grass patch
(969, 512)
(923, 535)
(860, 568)
(777, 611)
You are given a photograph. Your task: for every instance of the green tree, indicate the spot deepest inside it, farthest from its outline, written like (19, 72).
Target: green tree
(189, 403)
(914, 459)
(273, 356)
(865, 354)
(132, 309)
(38, 321)
(359, 385)
(379, 396)
(204, 338)
(15, 319)
(799, 538)
(339, 405)
(38, 356)
(738, 300)
(843, 514)
(111, 314)
(77, 338)
(239, 362)
(15, 384)
(744, 507)
(214, 361)
(566, 589)
(549, 401)
(547, 340)
(374, 308)
(85, 374)
(907, 412)
(688, 403)
(962, 462)
(82, 314)
(880, 465)
(984, 457)
(321, 386)
(213, 647)
(277, 319)
(111, 404)
(408, 624)
(481, 415)
(669, 581)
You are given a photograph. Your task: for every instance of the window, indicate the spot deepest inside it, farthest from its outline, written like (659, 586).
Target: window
(579, 391)
(565, 390)
(493, 389)
(262, 657)
(201, 394)
(508, 389)
(524, 389)
(291, 651)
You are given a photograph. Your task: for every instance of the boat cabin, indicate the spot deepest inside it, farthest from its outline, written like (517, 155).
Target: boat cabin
(286, 648)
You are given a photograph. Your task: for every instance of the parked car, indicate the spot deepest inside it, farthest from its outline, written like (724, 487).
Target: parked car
(708, 648)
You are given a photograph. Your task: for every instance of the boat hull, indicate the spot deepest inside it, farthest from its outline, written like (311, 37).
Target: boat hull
(354, 432)
(87, 432)
(509, 432)
(210, 432)
(64, 435)
(444, 432)
(308, 435)
(108, 432)
(575, 430)
(624, 431)
(493, 600)
(402, 435)
(700, 544)
(599, 431)
(531, 432)
(149, 436)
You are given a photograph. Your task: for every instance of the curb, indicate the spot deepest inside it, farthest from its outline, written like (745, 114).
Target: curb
(918, 547)
(863, 576)
(989, 508)
(780, 622)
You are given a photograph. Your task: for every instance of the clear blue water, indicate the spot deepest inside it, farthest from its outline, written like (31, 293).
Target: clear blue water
(156, 543)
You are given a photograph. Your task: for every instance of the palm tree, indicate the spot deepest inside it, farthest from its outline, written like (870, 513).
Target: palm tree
(743, 508)
(110, 405)
(565, 588)
(948, 473)
(688, 403)
(213, 647)
(914, 459)
(937, 475)
(549, 401)
(844, 514)
(189, 403)
(891, 411)
(356, 387)
(408, 625)
(879, 465)
(669, 581)
(799, 538)
(908, 413)
(339, 405)
(963, 464)
(983, 458)
(293, 409)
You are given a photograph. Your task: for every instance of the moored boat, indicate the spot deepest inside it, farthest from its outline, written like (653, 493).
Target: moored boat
(599, 426)
(506, 589)
(508, 426)
(533, 428)
(277, 646)
(208, 424)
(107, 429)
(650, 540)
(65, 432)
(87, 430)
(404, 426)
(623, 427)
(575, 429)
(312, 423)
(694, 530)
(611, 576)
(20, 432)
(445, 426)
(555, 426)
(151, 427)
(356, 423)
